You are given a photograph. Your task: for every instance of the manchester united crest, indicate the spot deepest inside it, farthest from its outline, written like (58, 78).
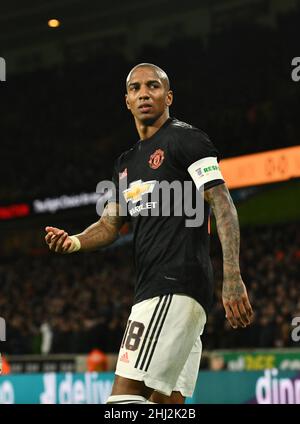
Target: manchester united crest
(156, 159)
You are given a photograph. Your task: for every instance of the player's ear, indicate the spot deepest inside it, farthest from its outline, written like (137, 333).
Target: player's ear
(127, 102)
(169, 98)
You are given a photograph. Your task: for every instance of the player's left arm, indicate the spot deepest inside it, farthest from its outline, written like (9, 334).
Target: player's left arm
(234, 294)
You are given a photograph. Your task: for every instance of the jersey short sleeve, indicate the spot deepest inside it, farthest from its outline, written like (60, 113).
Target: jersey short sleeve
(117, 180)
(115, 177)
(193, 151)
(114, 196)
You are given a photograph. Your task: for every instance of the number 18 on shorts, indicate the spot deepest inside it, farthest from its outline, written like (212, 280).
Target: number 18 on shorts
(161, 344)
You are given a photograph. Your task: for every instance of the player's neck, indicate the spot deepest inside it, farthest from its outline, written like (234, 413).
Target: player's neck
(147, 131)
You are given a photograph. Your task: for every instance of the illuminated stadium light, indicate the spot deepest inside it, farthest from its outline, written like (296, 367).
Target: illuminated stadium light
(53, 23)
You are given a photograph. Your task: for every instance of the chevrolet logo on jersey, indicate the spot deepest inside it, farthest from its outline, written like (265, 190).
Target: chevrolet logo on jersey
(136, 190)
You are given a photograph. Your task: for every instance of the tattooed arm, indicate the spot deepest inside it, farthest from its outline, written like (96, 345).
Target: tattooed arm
(235, 299)
(100, 234)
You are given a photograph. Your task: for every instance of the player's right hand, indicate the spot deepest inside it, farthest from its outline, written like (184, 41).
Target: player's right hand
(58, 240)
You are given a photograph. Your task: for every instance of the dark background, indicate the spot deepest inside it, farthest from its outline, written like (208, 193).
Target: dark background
(63, 122)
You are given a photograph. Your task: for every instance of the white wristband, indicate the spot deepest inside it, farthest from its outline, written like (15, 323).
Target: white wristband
(76, 245)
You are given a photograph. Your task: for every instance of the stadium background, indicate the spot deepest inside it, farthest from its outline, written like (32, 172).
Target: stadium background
(63, 122)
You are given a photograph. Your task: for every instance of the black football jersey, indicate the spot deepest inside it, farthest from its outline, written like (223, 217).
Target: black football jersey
(169, 256)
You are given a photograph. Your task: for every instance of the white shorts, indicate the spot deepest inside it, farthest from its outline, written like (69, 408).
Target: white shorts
(161, 344)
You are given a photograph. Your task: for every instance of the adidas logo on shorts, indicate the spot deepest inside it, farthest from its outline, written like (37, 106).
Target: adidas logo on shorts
(124, 358)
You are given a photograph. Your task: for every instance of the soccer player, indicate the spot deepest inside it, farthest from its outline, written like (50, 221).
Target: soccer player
(160, 352)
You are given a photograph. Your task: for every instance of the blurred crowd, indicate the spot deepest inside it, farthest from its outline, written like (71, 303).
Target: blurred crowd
(75, 303)
(66, 304)
(61, 129)
(269, 260)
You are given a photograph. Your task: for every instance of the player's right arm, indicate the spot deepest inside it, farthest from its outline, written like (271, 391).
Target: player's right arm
(100, 234)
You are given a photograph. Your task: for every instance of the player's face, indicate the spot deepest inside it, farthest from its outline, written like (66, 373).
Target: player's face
(147, 96)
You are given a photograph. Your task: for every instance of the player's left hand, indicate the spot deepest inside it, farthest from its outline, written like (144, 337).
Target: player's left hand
(236, 303)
